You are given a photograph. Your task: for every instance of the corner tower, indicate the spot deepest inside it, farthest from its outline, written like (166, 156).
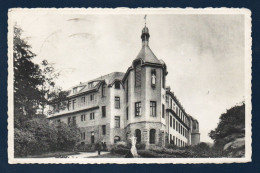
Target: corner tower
(145, 96)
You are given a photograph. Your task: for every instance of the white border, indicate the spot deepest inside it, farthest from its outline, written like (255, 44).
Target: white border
(118, 11)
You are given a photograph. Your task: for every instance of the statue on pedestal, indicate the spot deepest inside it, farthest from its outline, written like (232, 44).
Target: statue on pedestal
(133, 148)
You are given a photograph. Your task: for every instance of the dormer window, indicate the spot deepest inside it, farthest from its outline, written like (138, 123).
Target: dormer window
(90, 85)
(153, 78)
(74, 90)
(117, 85)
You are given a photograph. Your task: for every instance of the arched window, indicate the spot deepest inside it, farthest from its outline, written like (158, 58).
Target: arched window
(116, 139)
(138, 135)
(152, 136)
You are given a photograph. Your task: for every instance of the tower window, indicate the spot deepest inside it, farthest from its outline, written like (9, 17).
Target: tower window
(153, 109)
(117, 102)
(138, 109)
(117, 85)
(138, 75)
(127, 113)
(152, 136)
(138, 135)
(103, 111)
(117, 121)
(103, 129)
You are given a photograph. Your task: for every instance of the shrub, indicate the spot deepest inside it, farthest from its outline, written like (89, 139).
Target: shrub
(85, 147)
(119, 149)
(140, 146)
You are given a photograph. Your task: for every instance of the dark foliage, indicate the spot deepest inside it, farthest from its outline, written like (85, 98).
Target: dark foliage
(231, 126)
(34, 88)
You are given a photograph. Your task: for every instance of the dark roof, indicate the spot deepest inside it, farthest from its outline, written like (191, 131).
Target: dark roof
(147, 55)
(109, 79)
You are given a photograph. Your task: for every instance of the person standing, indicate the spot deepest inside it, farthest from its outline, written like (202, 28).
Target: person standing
(98, 147)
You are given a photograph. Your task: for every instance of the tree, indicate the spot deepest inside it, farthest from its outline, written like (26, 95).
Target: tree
(231, 122)
(26, 79)
(34, 89)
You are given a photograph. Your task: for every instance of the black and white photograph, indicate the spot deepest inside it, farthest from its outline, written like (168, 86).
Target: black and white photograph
(149, 85)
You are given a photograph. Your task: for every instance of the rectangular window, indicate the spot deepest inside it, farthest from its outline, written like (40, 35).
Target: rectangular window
(74, 120)
(117, 121)
(171, 103)
(83, 117)
(69, 120)
(83, 135)
(92, 115)
(103, 111)
(170, 121)
(104, 129)
(152, 108)
(138, 75)
(163, 110)
(82, 99)
(117, 102)
(92, 138)
(127, 113)
(73, 104)
(91, 97)
(138, 109)
(69, 105)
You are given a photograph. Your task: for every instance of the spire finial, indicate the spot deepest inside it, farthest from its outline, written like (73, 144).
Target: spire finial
(145, 20)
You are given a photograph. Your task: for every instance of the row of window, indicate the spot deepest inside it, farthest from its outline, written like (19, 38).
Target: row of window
(72, 104)
(172, 105)
(178, 126)
(178, 142)
(153, 109)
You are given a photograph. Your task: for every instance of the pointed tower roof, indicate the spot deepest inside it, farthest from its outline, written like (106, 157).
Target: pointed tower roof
(146, 54)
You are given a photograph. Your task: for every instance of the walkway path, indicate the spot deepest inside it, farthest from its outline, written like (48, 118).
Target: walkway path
(87, 154)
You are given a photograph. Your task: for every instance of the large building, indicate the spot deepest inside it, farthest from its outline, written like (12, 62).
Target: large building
(116, 106)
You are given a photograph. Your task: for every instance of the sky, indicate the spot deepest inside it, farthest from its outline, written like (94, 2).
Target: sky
(204, 53)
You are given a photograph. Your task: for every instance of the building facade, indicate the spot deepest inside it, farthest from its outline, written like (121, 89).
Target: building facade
(117, 106)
